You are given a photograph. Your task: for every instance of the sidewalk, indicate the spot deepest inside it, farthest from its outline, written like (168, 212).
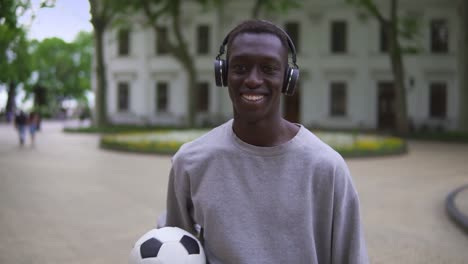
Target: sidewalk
(66, 201)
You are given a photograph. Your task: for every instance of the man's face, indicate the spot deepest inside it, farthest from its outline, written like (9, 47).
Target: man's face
(255, 77)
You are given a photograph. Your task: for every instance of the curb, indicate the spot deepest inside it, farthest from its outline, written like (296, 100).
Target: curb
(453, 212)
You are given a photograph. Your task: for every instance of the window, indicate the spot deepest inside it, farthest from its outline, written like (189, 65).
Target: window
(123, 96)
(338, 36)
(162, 96)
(161, 39)
(292, 28)
(438, 100)
(439, 36)
(338, 99)
(203, 39)
(203, 96)
(383, 39)
(124, 42)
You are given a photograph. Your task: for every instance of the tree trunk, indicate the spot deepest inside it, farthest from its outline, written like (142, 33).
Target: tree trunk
(192, 92)
(11, 103)
(396, 61)
(182, 54)
(188, 64)
(101, 89)
(463, 119)
(400, 95)
(257, 8)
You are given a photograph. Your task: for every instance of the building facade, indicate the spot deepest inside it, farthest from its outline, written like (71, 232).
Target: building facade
(345, 73)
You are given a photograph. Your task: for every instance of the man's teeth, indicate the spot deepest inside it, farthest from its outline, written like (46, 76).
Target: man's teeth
(251, 97)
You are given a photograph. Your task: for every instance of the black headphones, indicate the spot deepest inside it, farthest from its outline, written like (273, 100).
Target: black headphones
(291, 74)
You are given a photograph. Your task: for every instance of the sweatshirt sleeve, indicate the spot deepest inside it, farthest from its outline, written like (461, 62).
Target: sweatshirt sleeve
(179, 203)
(348, 245)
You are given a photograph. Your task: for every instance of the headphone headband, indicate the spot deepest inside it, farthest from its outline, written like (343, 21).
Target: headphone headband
(291, 46)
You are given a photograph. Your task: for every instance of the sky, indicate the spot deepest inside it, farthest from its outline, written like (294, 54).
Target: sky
(64, 20)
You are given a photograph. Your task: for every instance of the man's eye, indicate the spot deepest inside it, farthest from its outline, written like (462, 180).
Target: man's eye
(239, 68)
(269, 69)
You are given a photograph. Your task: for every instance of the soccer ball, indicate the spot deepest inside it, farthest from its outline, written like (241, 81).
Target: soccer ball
(167, 245)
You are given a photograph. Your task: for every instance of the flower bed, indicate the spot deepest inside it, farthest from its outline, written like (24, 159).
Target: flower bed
(168, 142)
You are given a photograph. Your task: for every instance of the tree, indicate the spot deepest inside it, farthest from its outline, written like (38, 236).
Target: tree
(82, 47)
(395, 27)
(62, 69)
(102, 14)
(18, 69)
(155, 12)
(274, 6)
(13, 50)
(14, 56)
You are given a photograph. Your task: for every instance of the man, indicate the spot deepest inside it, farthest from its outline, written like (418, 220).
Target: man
(262, 189)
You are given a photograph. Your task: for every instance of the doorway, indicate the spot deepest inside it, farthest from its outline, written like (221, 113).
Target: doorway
(386, 117)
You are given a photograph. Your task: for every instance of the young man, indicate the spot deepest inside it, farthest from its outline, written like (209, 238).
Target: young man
(262, 189)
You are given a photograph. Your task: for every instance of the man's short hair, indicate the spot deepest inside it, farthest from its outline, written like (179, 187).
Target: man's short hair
(257, 26)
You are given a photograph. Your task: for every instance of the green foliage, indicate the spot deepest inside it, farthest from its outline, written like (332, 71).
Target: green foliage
(365, 5)
(13, 44)
(447, 136)
(409, 31)
(15, 59)
(281, 6)
(408, 25)
(64, 69)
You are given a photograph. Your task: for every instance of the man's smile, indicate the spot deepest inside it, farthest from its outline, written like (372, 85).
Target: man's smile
(252, 98)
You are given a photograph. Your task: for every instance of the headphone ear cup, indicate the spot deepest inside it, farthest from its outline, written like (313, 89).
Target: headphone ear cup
(290, 81)
(220, 70)
(225, 73)
(218, 67)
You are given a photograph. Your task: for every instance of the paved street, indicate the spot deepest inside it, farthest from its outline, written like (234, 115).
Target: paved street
(66, 201)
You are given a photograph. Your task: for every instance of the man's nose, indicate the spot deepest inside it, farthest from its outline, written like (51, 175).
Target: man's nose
(254, 79)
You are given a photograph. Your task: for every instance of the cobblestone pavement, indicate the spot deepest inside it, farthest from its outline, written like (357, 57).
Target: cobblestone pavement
(66, 201)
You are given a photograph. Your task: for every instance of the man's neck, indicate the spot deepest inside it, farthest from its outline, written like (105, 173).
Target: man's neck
(265, 133)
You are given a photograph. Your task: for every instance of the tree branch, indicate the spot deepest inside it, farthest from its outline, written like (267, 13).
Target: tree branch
(257, 7)
(153, 16)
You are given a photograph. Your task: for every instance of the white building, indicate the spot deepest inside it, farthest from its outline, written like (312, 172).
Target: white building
(345, 79)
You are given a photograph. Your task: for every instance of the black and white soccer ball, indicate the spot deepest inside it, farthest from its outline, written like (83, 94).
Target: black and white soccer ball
(167, 245)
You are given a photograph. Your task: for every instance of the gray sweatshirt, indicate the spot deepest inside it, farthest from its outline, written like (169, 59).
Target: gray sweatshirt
(292, 203)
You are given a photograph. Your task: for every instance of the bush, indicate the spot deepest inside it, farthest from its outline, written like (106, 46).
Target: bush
(169, 141)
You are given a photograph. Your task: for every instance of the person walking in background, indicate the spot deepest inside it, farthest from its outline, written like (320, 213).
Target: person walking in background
(33, 122)
(20, 125)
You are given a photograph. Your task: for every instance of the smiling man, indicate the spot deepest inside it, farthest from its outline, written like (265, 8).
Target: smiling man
(259, 189)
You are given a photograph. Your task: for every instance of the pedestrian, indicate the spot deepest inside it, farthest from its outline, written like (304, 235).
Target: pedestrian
(33, 123)
(20, 125)
(259, 189)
